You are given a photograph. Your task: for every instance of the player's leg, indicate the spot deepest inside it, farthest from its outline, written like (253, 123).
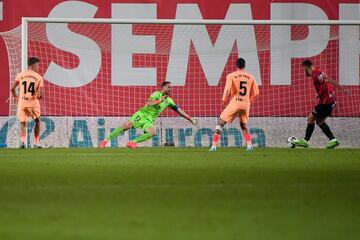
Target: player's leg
(227, 116)
(119, 130)
(116, 132)
(35, 114)
(217, 134)
(247, 136)
(309, 131)
(141, 121)
(37, 133)
(244, 117)
(310, 126)
(22, 116)
(22, 134)
(333, 142)
(149, 132)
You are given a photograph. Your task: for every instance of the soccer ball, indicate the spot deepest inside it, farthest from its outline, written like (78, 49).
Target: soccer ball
(290, 142)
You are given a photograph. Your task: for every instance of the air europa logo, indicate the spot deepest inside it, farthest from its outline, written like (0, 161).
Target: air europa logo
(89, 132)
(213, 57)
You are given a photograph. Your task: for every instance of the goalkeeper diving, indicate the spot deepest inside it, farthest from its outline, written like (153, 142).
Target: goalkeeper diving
(145, 117)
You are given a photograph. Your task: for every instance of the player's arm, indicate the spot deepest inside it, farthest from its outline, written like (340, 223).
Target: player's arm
(39, 92)
(254, 92)
(13, 89)
(182, 113)
(227, 90)
(151, 102)
(155, 99)
(336, 84)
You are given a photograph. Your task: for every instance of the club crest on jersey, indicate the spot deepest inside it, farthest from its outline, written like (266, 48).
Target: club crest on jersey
(321, 76)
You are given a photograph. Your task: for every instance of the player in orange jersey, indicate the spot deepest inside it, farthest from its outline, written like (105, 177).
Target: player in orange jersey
(30, 85)
(243, 90)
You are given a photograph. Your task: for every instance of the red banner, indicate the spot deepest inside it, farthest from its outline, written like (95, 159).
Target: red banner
(115, 89)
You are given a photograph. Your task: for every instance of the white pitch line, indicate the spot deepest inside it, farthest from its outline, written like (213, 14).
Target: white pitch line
(210, 185)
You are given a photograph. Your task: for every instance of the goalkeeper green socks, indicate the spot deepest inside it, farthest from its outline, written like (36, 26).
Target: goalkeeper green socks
(116, 132)
(142, 137)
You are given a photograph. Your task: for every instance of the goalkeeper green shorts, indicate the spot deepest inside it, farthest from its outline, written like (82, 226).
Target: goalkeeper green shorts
(139, 120)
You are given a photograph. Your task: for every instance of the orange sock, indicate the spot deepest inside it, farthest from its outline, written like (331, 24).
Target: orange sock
(36, 139)
(247, 138)
(215, 139)
(22, 138)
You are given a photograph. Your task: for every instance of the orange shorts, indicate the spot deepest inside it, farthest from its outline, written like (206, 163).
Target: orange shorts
(23, 113)
(236, 109)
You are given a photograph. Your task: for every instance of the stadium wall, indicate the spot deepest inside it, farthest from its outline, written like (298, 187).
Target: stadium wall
(89, 131)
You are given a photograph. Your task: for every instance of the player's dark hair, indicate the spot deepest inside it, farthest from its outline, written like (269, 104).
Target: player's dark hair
(307, 63)
(32, 61)
(163, 84)
(240, 63)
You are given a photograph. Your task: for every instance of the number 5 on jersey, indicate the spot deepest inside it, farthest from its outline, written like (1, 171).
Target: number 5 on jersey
(243, 88)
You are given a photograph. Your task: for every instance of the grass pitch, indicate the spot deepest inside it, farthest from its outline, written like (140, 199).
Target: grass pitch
(179, 193)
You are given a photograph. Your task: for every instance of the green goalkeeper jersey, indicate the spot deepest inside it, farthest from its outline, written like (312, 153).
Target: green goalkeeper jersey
(152, 112)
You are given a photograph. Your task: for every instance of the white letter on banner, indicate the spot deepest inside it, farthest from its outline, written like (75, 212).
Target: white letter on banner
(349, 45)
(283, 49)
(84, 48)
(213, 57)
(125, 44)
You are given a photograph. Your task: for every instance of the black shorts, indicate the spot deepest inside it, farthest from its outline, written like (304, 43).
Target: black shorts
(323, 110)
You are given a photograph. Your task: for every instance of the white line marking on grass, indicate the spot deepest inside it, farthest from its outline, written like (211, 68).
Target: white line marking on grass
(168, 186)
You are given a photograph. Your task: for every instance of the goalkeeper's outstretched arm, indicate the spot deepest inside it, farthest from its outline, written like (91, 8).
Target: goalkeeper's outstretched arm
(182, 113)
